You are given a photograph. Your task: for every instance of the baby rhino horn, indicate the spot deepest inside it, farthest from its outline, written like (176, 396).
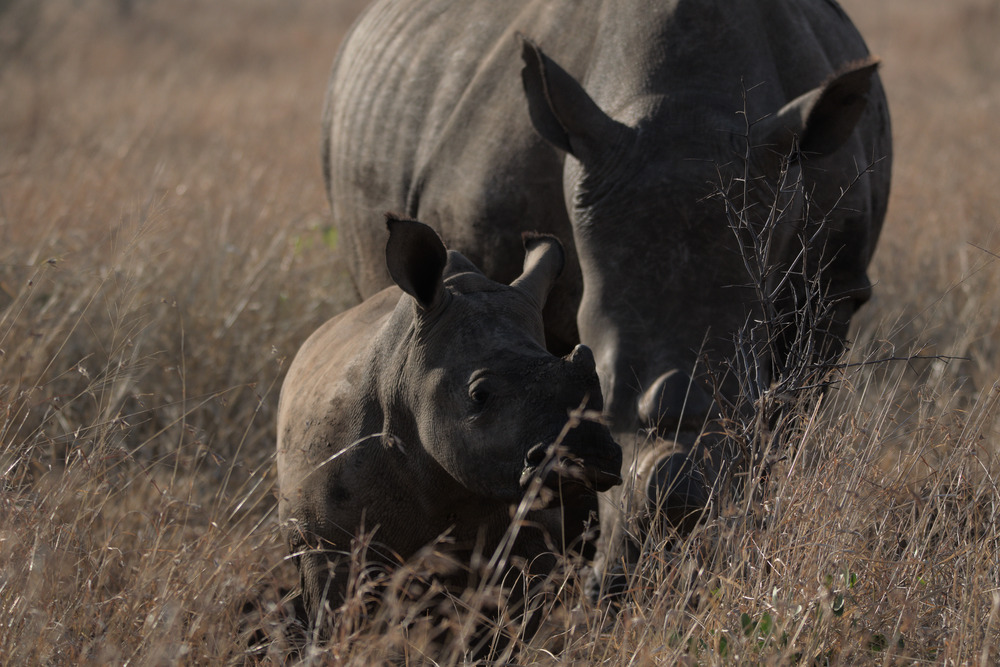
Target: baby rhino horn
(543, 262)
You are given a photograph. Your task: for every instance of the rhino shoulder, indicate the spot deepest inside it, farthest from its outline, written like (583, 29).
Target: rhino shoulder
(326, 398)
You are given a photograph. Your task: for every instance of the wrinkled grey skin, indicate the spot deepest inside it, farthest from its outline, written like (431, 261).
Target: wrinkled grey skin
(427, 411)
(610, 125)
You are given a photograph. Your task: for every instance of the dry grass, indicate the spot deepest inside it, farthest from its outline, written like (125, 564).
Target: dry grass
(163, 252)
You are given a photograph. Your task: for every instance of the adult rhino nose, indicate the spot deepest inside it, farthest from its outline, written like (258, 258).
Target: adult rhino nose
(674, 400)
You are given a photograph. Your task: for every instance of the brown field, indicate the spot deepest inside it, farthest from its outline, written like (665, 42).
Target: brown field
(164, 249)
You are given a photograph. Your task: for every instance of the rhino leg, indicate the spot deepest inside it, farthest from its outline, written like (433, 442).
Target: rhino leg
(671, 489)
(314, 575)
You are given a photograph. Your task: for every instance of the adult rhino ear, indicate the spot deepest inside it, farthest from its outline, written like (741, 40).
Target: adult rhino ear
(416, 257)
(561, 110)
(544, 259)
(823, 118)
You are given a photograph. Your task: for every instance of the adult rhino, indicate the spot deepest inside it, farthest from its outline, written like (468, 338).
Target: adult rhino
(611, 127)
(613, 123)
(429, 410)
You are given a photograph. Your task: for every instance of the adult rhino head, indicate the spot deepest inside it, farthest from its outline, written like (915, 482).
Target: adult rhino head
(430, 409)
(697, 224)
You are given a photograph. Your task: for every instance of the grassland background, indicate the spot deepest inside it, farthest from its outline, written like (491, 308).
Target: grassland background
(164, 249)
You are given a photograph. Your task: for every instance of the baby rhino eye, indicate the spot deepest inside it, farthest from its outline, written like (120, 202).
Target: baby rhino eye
(479, 393)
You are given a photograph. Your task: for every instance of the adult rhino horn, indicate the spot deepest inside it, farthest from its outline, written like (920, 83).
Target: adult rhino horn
(673, 401)
(561, 110)
(823, 118)
(416, 256)
(544, 259)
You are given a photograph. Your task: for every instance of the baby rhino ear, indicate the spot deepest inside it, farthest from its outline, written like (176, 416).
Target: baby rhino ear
(415, 256)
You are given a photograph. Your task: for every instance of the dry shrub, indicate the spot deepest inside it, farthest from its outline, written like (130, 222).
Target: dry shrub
(164, 250)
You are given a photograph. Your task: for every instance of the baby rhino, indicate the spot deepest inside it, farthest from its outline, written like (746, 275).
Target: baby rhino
(430, 410)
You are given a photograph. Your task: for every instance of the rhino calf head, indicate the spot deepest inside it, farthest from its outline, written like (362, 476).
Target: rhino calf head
(428, 410)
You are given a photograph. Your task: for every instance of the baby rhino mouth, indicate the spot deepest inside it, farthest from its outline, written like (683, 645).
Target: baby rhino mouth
(567, 473)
